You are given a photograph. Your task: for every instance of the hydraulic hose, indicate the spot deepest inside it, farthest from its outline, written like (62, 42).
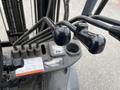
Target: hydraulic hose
(58, 10)
(47, 14)
(66, 9)
(106, 19)
(91, 21)
(44, 39)
(38, 35)
(45, 19)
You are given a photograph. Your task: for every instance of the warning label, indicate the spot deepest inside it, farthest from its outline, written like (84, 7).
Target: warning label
(31, 66)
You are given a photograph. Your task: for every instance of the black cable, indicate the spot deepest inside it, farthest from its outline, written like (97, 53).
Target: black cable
(52, 12)
(106, 19)
(88, 19)
(47, 14)
(58, 11)
(37, 36)
(91, 21)
(68, 24)
(45, 19)
(21, 10)
(66, 9)
(101, 7)
(44, 39)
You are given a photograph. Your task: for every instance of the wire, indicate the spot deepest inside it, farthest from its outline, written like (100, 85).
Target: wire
(40, 38)
(45, 19)
(68, 24)
(44, 39)
(58, 11)
(91, 21)
(39, 34)
(66, 9)
(106, 19)
(47, 14)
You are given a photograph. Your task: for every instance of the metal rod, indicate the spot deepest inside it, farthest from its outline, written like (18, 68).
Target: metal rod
(89, 6)
(101, 7)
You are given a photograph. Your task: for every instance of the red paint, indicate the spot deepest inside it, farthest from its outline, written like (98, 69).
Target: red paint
(30, 72)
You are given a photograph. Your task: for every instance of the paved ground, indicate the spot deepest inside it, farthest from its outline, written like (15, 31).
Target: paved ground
(97, 72)
(101, 72)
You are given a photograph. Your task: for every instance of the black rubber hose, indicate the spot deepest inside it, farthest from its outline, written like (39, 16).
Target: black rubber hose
(101, 7)
(91, 21)
(68, 24)
(58, 11)
(66, 9)
(106, 19)
(44, 39)
(38, 35)
(45, 19)
(47, 14)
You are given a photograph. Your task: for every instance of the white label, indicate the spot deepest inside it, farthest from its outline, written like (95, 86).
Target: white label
(58, 50)
(31, 66)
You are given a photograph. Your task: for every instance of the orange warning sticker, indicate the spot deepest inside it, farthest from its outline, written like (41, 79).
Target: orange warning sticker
(31, 66)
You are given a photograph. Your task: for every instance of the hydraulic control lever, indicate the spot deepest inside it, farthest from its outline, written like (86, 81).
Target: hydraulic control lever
(94, 42)
(115, 29)
(62, 35)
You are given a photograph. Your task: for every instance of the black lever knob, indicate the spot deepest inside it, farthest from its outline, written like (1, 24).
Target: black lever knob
(95, 43)
(62, 35)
